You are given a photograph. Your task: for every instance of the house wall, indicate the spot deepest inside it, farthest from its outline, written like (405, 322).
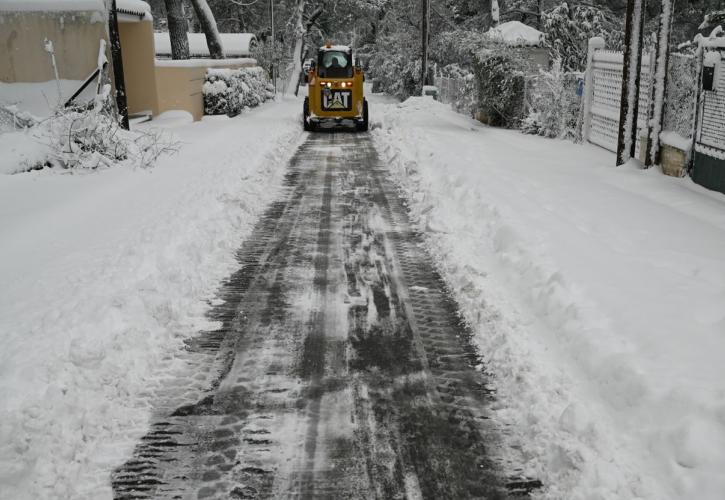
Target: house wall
(180, 83)
(137, 48)
(75, 35)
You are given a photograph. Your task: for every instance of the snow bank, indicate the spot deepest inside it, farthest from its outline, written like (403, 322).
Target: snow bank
(21, 151)
(103, 277)
(41, 99)
(596, 293)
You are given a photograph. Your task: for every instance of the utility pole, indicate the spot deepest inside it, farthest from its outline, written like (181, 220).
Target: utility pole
(116, 56)
(633, 38)
(425, 23)
(274, 73)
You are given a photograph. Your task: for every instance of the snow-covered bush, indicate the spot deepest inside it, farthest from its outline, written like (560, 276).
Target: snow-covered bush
(568, 29)
(552, 103)
(396, 65)
(229, 91)
(88, 137)
(681, 94)
(501, 88)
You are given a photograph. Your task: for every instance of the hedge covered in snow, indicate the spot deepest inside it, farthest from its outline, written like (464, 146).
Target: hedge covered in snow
(229, 91)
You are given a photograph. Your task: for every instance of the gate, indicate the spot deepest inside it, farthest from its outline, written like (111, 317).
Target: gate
(709, 164)
(606, 95)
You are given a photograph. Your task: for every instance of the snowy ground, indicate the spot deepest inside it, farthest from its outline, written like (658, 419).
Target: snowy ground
(598, 294)
(103, 275)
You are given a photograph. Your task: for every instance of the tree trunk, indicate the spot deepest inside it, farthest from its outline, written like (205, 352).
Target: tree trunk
(425, 20)
(178, 29)
(117, 57)
(208, 26)
(627, 137)
(294, 79)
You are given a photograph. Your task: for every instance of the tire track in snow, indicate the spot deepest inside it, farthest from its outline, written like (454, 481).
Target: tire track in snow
(341, 368)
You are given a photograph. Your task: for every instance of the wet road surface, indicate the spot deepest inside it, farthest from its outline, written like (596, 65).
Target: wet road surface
(341, 369)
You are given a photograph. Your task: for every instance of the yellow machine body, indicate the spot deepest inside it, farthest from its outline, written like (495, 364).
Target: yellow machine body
(335, 91)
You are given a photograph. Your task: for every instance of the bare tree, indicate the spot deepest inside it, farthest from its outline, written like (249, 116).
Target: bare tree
(209, 27)
(299, 31)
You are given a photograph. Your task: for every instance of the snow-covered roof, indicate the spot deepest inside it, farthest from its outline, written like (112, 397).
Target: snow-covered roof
(133, 10)
(340, 48)
(128, 10)
(206, 63)
(516, 34)
(52, 5)
(235, 44)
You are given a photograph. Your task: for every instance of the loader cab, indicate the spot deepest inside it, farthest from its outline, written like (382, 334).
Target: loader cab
(335, 63)
(335, 91)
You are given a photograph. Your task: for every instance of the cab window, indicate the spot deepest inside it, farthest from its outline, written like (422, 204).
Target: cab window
(335, 64)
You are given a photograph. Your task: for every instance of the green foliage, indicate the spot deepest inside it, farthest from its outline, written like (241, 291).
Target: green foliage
(395, 71)
(553, 104)
(457, 47)
(568, 30)
(501, 88)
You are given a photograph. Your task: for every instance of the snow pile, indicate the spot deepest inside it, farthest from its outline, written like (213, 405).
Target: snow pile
(228, 91)
(41, 99)
(676, 141)
(596, 294)
(103, 277)
(234, 44)
(516, 34)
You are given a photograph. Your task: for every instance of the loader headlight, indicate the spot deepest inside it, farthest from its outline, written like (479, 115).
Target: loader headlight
(328, 84)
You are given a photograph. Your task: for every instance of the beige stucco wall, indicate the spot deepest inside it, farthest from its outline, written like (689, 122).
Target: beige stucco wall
(137, 48)
(75, 35)
(180, 87)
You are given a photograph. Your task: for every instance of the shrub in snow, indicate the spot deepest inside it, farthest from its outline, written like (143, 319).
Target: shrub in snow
(552, 103)
(681, 94)
(500, 88)
(229, 91)
(396, 65)
(568, 28)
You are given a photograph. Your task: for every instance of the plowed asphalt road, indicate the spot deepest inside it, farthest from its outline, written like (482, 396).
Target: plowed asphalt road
(341, 369)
